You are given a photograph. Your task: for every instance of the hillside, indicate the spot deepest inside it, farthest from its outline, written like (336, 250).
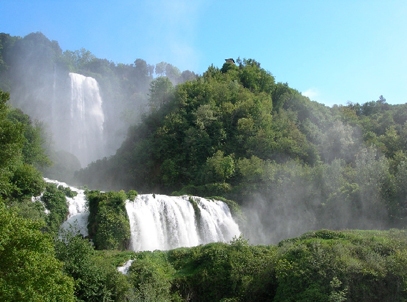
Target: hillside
(296, 168)
(318, 266)
(65, 90)
(291, 163)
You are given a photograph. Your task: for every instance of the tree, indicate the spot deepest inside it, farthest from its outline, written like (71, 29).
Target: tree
(29, 270)
(143, 73)
(11, 142)
(21, 147)
(160, 92)
(34, 138)
(223, 166)
(27, 182)
(78, 58)
(95, 279)
(108, 224)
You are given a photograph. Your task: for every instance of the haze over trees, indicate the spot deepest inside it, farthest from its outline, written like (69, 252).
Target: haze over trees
(292, 165)
(290, 162)
(35, 72)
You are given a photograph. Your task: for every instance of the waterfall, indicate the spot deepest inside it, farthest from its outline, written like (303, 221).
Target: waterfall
(124, 269)
(166, 222)
(86, 118)
(77, 219)
(70, 104)
(161, 222)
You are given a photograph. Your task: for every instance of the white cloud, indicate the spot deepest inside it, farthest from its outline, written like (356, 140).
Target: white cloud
(311, 93)
(174, 28)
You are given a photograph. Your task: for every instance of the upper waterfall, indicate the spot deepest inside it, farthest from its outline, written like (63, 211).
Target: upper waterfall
(84, 125)
(71, 108)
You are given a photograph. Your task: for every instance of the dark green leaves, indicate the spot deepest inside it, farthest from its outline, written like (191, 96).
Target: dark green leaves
(108, 222)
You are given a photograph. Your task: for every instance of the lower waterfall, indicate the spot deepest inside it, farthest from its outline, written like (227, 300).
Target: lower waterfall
(77, 219)
(161, 222)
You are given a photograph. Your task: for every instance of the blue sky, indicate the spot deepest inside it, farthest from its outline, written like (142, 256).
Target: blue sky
(333, 51)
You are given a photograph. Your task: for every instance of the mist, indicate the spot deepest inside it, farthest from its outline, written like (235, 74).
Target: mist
(90, 108)
(85, 104)
(299, 198)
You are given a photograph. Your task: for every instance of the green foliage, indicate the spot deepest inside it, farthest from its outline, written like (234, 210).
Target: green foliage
(194, 204)
(317, 266)
(95, 279)
(205, 190)
(78, 59)
(160, 92)
(195, 135)
(108, 222)
(150, 274)
(34, 139)
(28, 209)
(21, 149)
(222, 166)
(27, 182)
(207, 273)
(68, 192)
(131, 194)
(255, 78)
(29, 270)
(54, 199)
(11, 142)
(340, 266)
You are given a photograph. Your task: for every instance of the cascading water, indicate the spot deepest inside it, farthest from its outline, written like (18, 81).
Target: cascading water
(77, 219)
(161, 222)
(81, 126)
(86, 120)
(166, 222)
(124, 269)
(69, 104)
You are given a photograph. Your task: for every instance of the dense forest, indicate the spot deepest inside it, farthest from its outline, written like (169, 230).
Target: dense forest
(295, 167)
(291, 163)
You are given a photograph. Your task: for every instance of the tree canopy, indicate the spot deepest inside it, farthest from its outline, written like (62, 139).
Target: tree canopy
(233, 132)
(26, 252)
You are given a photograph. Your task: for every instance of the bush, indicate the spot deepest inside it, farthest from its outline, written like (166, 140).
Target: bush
(29, 270)
(27, 181)
(334, 266)
(55, 201)
(108, 223)
(151, 275)
(95, 278)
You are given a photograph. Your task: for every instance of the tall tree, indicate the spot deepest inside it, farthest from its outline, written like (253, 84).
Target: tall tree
(29, 270)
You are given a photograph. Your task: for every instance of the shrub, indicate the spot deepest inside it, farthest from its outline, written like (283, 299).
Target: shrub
(108, 223)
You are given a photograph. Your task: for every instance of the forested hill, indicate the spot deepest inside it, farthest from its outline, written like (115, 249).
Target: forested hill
(297, 164)
(35, 72)
(292, 163)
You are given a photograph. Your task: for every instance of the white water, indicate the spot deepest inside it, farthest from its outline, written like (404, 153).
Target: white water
(125, 268)
(72, 107)
(86, 118)
(38, 199)
(160, 222)
(77, 219)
